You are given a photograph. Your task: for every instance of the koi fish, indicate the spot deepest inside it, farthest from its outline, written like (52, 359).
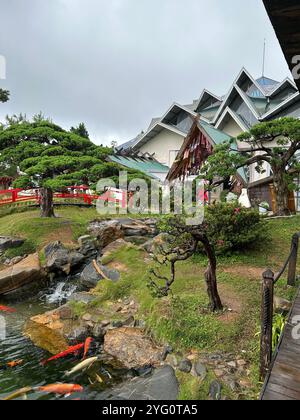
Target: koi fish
(61, 389)
(20, 393)
(11, 365)
(68, 352)
(87, 346)
(7, 309)
(82, 366)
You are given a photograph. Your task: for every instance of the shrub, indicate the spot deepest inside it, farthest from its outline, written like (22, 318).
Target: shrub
(232, 227)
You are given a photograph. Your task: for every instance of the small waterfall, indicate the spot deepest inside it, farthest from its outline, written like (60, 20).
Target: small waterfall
(62, 291)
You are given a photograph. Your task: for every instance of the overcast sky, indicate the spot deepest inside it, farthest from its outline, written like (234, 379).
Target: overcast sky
(115, 64)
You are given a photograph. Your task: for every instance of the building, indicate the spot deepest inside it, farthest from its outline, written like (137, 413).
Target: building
(248, 101)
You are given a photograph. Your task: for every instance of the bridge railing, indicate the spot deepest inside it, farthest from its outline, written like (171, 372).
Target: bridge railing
(269, 280)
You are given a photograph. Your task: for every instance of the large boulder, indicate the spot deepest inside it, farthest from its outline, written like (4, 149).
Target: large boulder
(132, 348)
(106, 231)
(161, 386)
(55, 330)
(7, 242)
(20, 275)
(90, 277)
(61, 259)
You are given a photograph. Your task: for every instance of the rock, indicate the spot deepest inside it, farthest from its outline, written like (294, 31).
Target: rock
(161, 386)
(131, 347)
(241, 363)
(185, 366)
(7, 242)
(171, 359)
(82, 240)
(151, 245)
(219, 373)
(282, 305)
(137, 240)
(60, 259)
(52, 332)
(166, 351)
(87, 317)
(82, 297)
(26, 272)
(113, 247)
(215, 391)
(106, 232)
(200, 370)
(232, 364)
(90, 277)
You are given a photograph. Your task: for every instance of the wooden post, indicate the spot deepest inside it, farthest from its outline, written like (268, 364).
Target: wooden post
(266, 323)
(293, 261)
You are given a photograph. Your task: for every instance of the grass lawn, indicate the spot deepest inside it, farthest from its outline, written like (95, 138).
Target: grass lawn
(181, 319)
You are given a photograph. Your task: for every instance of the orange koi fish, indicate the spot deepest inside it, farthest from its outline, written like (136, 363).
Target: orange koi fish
(87, 346)
(61, 389)
(68, 352)
(11, 365)
(7, 309)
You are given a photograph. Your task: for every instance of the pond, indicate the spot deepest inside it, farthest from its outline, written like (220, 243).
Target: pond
(31, 373)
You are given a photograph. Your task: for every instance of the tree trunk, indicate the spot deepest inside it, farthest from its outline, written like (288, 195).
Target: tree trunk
(211, 277)
(281, 190)
(46, 204)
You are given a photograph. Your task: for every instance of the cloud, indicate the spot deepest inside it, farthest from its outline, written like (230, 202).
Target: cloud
(116, 64)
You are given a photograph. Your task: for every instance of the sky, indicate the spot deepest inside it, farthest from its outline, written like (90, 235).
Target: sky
(116, 64)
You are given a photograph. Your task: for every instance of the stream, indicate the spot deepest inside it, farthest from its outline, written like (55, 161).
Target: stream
(32, 373)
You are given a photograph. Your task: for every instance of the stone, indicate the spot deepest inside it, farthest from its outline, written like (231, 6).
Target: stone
(151, 245)
(106, 231)
(171, 359)
(245, 383)
(61, 259)
(52, 332)
(87, 317)
(282, 305)
(137, 240)
(232, 364)
(219, 373)
(185, 366)
(27, 271)
(131, 347)
(200, 370)
(113, 247)
(7, 242)
(82, 240)
(215, 391)
(90, 277)
(162, 385)
(241, 363)
(82, 297)
(167, 350)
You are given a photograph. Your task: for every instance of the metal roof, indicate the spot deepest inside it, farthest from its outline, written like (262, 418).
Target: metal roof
(146, 165)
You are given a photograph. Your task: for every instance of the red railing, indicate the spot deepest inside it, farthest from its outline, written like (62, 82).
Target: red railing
(19, 195)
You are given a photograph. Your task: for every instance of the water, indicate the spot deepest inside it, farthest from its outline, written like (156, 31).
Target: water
(31, 373)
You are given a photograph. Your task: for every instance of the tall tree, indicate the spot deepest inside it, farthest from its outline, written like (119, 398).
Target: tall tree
(50, 158)
(81, 131)
(276, 143)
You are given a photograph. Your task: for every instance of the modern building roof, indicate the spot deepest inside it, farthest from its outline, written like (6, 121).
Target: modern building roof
(147, 165)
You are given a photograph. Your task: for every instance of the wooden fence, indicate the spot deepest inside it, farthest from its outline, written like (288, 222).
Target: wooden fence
(267, 306)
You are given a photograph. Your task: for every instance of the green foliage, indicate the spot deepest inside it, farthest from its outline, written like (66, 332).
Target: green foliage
(52, 157)
(279, 322)
(81, 131)
(231, 227)
(4, 95)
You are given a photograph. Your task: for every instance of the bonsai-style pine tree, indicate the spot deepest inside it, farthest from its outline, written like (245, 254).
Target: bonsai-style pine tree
(51, 158)
(275, 143)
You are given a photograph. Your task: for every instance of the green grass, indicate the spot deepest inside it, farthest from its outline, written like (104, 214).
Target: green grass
(181, 319)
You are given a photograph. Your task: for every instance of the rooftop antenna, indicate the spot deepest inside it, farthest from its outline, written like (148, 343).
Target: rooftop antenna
(264, 59)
